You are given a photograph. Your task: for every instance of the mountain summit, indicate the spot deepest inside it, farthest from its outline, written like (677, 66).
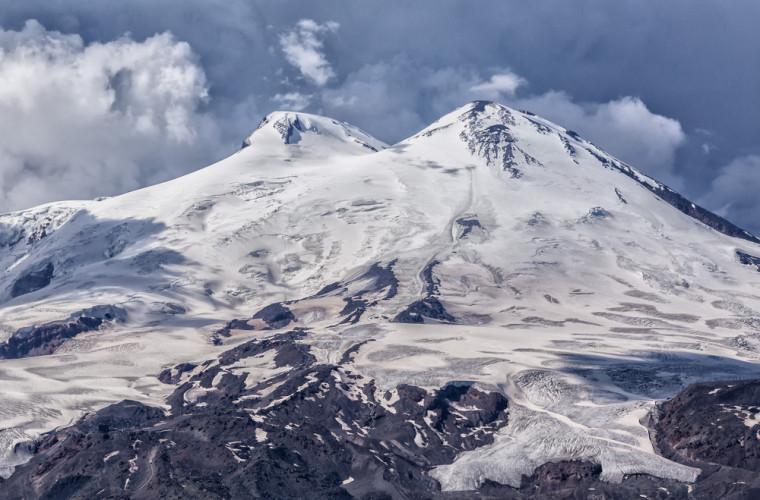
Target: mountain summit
(284, 127)
(493, 306)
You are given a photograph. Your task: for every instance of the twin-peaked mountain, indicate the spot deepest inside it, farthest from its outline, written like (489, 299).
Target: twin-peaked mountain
(502, 292)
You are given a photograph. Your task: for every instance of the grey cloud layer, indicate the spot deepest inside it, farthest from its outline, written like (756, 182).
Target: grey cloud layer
(671, 87)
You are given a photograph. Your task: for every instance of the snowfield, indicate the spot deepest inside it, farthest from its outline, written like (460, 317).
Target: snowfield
(493, 246)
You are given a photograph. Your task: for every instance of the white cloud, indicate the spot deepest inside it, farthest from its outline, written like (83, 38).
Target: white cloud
(96, 119)
(500, 84)
(303, 48)
(625, 127)
(292, 101)
(734, 192)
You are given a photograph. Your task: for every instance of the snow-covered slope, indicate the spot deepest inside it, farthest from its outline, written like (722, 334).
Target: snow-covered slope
(493, 247)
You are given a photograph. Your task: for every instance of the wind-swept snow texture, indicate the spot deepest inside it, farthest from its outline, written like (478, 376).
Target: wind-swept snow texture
(492, 247)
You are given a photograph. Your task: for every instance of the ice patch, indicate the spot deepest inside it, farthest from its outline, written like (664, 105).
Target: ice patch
(533, 438)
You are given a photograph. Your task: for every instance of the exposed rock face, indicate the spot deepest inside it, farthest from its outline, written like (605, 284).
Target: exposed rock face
(714, 422)
(495, 142)
(275, 316)
(748, 260)
(174, 375)
(378, 283)
(291, 128)
(702, 215)
(44, 339)
(272, 317)
(716, 427)
(325, 432)
(429, 308)
(677, 201)
(580, 480)
(468, 224)
(33, 280)
(312, 431)
(153, 261)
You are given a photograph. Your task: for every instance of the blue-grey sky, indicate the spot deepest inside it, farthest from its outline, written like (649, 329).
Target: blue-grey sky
(99, 97)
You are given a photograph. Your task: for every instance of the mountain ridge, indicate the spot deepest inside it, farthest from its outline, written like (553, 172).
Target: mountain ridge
(493, 249)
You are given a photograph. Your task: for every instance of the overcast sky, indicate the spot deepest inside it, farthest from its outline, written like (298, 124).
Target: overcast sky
(100, 97)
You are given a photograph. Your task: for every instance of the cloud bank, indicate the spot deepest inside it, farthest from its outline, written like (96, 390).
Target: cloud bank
(95, 119)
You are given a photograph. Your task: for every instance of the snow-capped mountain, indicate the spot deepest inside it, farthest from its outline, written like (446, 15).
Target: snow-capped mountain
(488, 305)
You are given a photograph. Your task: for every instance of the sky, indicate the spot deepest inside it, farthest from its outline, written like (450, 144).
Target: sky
(102, 97)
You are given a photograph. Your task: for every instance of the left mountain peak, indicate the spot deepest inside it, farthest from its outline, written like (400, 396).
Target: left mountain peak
(304, 129)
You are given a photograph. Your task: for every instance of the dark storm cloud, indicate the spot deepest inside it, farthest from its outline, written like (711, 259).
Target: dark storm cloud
(673, 87)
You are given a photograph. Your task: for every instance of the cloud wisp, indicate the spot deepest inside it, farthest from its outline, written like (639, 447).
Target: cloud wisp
(734, 192)
(303, 47)
(499, 85)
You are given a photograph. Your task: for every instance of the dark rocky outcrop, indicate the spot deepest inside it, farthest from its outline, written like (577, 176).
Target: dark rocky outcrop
(353, 310)
(575, 480)
(377, 279)
(468, 224)
(275, 316)
(715, 427)
(44, 339)
(495, 143)
(748, 260)
(367, 289)
(429, 307)
(702, 215)
(174, 375)
(235, 324)
(596, 213)
(316, 431)
(292, 126)
(33, 280)
(152, 261)
(710, 426)
(677, 201)
(323, 431)
(289, 129)
(717, 423)
(378, 283)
